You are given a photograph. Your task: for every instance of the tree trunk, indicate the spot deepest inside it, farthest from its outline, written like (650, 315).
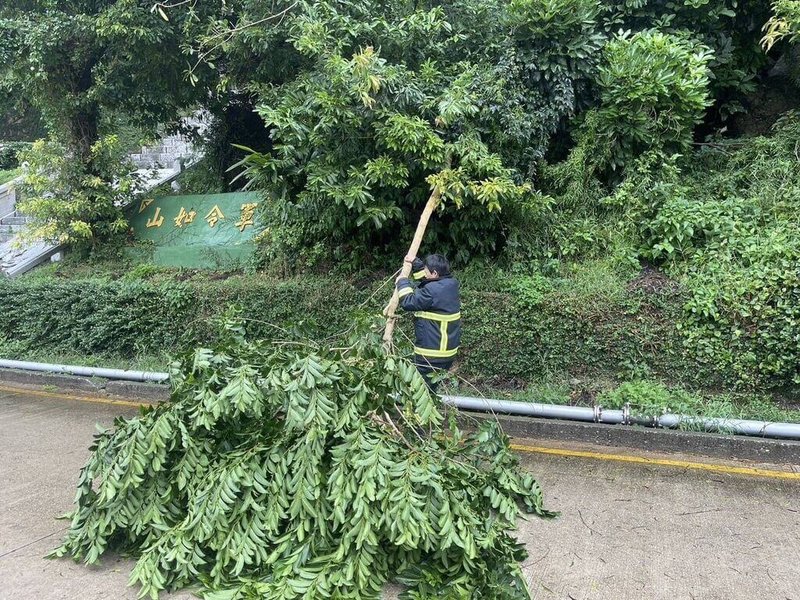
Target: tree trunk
(83, 135)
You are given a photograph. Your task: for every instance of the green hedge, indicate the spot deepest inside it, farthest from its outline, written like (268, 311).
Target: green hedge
(509, 337)
(633, 336)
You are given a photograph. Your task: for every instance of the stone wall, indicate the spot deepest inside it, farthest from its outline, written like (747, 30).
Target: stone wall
(8, 198)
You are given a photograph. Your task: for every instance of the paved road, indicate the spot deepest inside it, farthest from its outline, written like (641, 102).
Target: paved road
(627, 530)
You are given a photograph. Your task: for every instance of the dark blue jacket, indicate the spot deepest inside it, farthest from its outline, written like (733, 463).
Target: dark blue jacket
(437, 307)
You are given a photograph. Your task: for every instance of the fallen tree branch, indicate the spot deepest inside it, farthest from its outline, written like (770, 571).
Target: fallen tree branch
(391, 308)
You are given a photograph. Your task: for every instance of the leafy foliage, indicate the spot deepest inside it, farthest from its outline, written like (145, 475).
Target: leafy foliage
(651, 399)
(555, 56)
(292, 470)
(653, 90)
(18, 119)
(366, 104)
(9, 154)
(515, 109)
(724, 225)
(784, 23)
(69, 205)
(585, 322)
(81, 64)
(729, 28)
(376, 101)
(76, 60)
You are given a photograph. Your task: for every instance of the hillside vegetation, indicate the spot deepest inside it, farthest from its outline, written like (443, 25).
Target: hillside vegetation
(624, 177)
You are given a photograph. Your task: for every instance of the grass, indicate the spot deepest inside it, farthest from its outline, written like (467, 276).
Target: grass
(6, 176)
(651, 398)
(646, 399)
(136, 363)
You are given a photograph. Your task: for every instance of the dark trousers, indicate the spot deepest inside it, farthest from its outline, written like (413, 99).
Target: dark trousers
(427, 368)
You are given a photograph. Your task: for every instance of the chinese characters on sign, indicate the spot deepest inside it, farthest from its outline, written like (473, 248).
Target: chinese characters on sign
(156, 220)
(246, 219)
(214, 216)
(184, 217)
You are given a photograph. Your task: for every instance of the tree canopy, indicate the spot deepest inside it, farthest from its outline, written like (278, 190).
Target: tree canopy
(80, 62)
(86, 66)
(364, 105)
(515, 84)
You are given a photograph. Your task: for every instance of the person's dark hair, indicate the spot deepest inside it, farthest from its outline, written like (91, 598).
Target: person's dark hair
(438, 263)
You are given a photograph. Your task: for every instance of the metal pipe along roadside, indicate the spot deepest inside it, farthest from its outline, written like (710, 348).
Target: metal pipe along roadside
(598, 414)
(84, 371)
(586, 414)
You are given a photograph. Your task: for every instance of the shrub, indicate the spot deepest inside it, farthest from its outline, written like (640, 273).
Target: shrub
(9, 154)
(521, 330)
(727, 226)
(69, 204)
(653, 91)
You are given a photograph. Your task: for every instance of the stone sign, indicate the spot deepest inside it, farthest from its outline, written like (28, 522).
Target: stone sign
(202, 231)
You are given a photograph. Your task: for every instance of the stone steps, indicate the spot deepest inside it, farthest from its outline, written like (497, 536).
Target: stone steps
(16, 220)
(9, 230)
(166, 154)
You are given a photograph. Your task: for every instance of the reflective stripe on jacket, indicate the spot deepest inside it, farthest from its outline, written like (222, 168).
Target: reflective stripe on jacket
(437, 307)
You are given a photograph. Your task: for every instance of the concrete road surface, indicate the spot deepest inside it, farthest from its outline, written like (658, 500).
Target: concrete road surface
(628, 530)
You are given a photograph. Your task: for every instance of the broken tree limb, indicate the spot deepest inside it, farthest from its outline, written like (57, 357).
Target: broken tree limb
(391, 308)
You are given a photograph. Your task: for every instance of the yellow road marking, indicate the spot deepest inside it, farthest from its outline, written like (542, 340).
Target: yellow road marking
(58, 395)
(662, 462)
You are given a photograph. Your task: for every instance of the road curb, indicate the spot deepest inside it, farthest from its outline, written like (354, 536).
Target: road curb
(104, 388)
(50, 381)
(733, 447)
(152, 392)
(619, 436)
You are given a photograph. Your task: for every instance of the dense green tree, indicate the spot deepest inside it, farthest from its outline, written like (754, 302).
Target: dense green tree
(78, 61)
(654, 89)
(537, 64)
(362, 103)
(729, 28)
(374, 98)
(81, 64)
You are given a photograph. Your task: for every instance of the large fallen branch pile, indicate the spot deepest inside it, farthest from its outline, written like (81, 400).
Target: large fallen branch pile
(294, 471)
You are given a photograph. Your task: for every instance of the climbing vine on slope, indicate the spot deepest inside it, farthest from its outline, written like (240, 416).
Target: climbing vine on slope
(292, 470)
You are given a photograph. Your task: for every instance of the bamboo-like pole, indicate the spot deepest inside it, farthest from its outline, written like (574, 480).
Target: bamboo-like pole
(391, 308)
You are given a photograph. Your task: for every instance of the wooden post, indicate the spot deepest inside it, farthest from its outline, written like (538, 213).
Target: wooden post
(391, 308)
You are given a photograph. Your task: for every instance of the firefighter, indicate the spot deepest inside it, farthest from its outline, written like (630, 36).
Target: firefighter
(436, 306)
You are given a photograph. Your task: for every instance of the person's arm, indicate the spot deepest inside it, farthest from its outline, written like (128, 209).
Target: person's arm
(412, 299)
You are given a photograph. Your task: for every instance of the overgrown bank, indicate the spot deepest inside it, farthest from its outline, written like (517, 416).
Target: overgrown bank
(590, 336)
(519, 332)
